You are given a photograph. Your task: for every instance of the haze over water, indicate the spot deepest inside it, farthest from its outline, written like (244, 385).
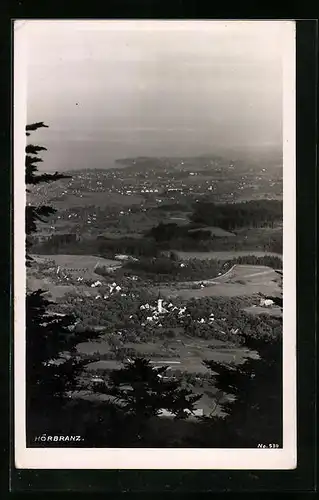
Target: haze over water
(119, 89)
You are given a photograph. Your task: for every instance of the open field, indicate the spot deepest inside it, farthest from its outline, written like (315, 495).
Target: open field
(216, 231)
(223, 255)
(119, 235)
(222, 290)
(104, 365)
(241, 280)
(93, 347)
(75, 261)
(58, 291)
(75, 266)
(181, 221)
(248, 273)
(54, 291)
(272, 311)
(190, 353)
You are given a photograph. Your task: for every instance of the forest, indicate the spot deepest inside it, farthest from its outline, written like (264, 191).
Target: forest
(168, 269)
(245, 220)
(230, 216)
(149, 246)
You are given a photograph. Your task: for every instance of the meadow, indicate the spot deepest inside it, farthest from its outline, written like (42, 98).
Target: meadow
(74, 261)
(240, 281)
(223, 255)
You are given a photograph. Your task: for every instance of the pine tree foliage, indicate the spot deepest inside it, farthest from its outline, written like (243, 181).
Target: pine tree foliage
(51, 361)
(35, 126)
(255, 414)
(37, 214)
(31, 149)
(143, 391)
(48, 336)
(32, 177)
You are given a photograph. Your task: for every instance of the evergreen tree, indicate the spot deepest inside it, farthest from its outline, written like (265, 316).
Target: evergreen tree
(51, 364)
(138, 392)
(254, 414)
(142, 390)
(32, 177)
(49, 338)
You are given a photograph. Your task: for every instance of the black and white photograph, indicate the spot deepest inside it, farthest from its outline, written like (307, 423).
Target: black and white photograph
(154, 244)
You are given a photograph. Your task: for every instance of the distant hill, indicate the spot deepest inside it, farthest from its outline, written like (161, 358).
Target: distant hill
(259, 156)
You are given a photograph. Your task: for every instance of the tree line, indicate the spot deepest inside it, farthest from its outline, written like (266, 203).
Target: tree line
(230, 216)
(150, 247)
(168, 269)
(266, 260)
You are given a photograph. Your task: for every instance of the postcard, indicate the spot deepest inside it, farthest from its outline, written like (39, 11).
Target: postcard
(154, 244)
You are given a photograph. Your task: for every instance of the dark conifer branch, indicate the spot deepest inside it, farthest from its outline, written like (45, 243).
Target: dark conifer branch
(34, 150)
(35, 126)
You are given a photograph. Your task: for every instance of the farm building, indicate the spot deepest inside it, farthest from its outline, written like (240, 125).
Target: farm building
(266, 302)
(124, 258)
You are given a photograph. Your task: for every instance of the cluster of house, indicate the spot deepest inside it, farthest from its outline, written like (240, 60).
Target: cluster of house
(156, 312)
(209, 320)
(112, 289)
(95, 284)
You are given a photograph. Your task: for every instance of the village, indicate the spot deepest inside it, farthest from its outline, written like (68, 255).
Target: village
(134, 321)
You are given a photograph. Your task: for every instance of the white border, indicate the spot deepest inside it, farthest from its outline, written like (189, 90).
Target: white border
(19, 203)
(121, 458)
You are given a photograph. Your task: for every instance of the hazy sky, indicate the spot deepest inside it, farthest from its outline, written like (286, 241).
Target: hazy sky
(126, 88)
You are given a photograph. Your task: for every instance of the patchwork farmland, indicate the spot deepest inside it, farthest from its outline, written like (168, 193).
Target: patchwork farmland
(241, 280)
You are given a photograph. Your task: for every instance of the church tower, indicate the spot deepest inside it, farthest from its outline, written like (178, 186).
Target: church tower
(159, 303)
